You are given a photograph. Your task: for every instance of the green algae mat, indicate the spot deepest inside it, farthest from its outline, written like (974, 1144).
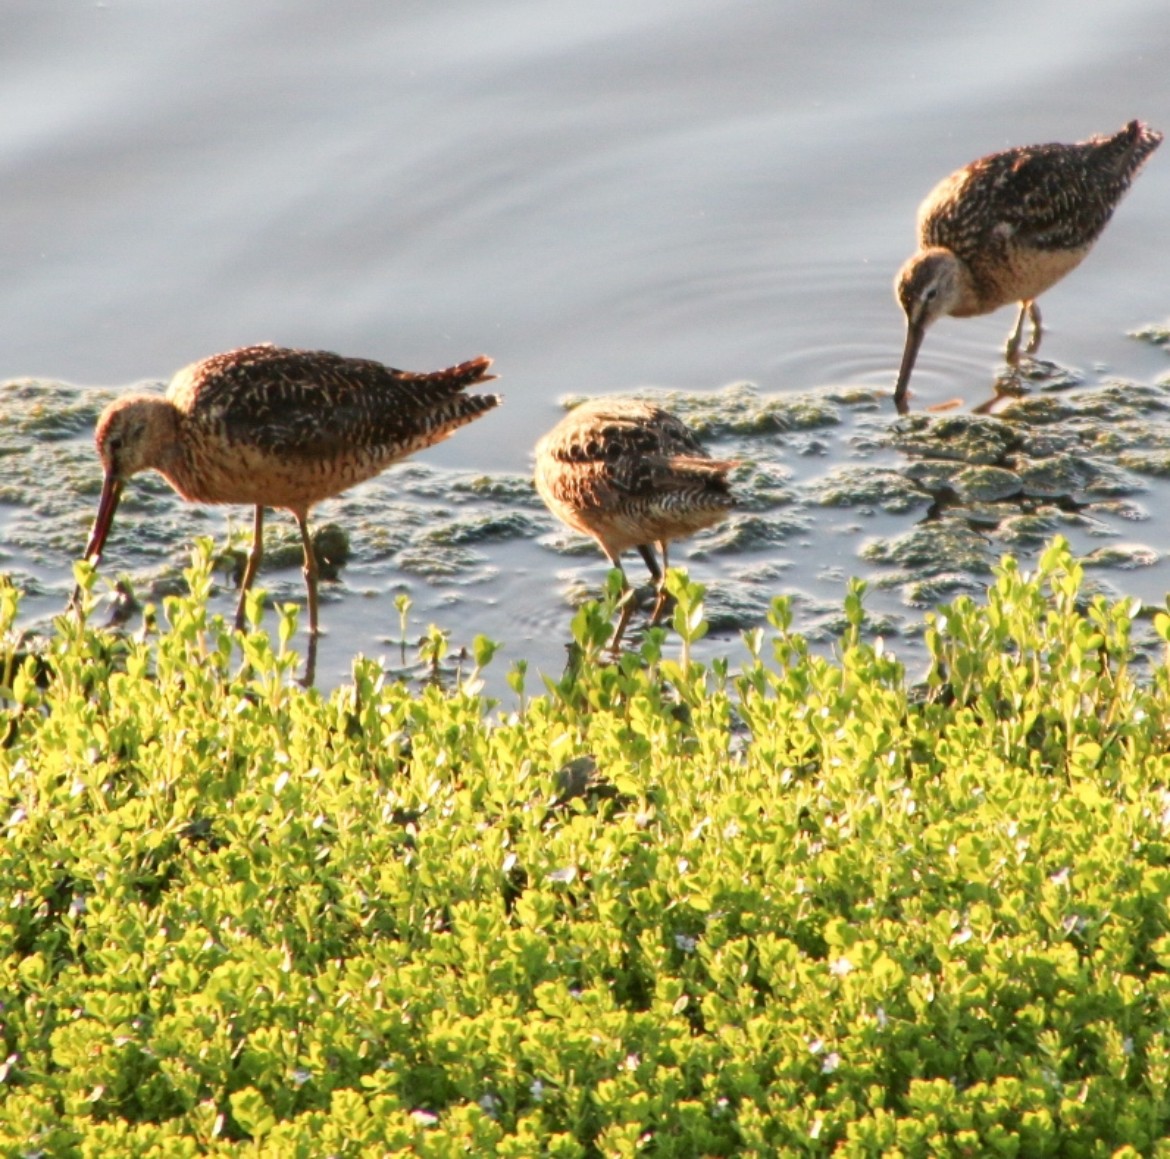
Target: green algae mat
(787, 904)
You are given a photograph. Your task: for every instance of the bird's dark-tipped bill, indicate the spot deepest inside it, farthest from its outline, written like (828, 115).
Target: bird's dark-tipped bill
(914, 336)
(107, 505)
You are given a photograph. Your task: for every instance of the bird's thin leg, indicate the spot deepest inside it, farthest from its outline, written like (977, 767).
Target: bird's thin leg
(310, 570)
(626, 604)
(1012, 353)
(1037, 331)
(254, 558)
(647, 553)
(615, 645)
(660, 602)
(310, 664)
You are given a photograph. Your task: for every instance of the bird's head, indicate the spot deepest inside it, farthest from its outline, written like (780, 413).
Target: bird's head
(133, 434)
(130, 434)
(928, 286)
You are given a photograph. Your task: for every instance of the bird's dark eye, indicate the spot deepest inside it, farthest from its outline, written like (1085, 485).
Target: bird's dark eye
(930, 294)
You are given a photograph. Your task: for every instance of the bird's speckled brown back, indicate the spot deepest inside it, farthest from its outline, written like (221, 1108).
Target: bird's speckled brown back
(628, 473)
(286, 428)
(1031, 214)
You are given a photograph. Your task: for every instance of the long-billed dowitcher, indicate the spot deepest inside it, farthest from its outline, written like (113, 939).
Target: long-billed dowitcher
(273, 427)
(1006, 227)
(630, 475)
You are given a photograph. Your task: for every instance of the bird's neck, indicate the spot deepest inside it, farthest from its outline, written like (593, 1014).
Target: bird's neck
(163, 444)
(970, 296)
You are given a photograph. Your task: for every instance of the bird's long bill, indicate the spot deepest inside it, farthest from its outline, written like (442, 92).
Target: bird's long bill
(107, 505)
(914, 335)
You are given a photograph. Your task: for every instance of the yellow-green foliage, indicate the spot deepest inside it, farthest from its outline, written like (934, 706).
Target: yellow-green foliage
(657, 908)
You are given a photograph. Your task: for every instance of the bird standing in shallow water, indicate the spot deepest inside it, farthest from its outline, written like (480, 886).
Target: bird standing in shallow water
(274, 427)
(630, 474)
(1006, 227)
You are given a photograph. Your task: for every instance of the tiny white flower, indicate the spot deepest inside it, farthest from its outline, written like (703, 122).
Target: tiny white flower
(301, 1075)
(1060, 877)
(536, 1090)
(839, 967)
(816, 1046)
(831, 1063)
(685, 943)
(490, 1105)
(424, 1118)
(961, 937)
(883, 1019)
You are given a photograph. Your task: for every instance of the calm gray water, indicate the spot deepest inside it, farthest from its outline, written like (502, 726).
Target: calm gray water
(604, 198)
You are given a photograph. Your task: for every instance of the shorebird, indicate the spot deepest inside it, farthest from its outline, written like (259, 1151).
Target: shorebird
(630, 474)
(1006, 227)
(274, 427)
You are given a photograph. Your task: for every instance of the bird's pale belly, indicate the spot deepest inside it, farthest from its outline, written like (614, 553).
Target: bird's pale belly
(250, 476)
(1025, 276)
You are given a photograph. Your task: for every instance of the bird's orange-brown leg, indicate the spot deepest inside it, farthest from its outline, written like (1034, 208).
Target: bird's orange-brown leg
(626, 605)
(647, 553)
(310, 571)
(1037, 331)
(254, 558)
(1012, 352)
(310, 664)
(615, 645)
(1029, 310)
(659, 579)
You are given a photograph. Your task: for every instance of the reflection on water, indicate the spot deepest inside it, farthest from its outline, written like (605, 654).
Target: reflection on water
(658, 195)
